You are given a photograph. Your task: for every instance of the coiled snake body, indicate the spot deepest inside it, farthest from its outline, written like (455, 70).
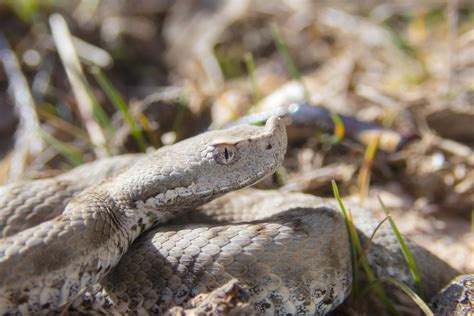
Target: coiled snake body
(289, 252)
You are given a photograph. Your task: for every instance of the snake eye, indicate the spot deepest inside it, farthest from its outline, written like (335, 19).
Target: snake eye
(225, 154)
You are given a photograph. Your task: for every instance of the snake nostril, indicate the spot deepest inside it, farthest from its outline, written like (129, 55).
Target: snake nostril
(269, 146)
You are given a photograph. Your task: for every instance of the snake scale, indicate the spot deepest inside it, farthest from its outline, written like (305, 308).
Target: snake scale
(93, 240)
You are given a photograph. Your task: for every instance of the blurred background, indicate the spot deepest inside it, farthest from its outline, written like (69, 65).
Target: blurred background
(82, 80)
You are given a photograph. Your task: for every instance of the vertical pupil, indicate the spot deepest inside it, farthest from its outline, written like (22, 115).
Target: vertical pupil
(226, 153)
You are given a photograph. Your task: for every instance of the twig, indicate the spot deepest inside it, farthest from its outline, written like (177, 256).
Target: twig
(62, 125)
(92, 54)
(64, 44)
(369, 242)
(366, 168)
(27, 141)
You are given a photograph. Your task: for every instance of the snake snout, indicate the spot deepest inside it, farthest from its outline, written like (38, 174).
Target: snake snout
(274, 123)
(276, 127)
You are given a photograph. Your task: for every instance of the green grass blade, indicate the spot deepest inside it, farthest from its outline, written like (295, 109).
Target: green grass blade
(335, 191)
(101, 116)
(117, 100)
(352, 237)
(400, 42)
(356, 250)
(72, 155)
(285, 54)
(405, 288)
(97, 111)
(354, 240)
(179, 118)
(251, 70)
(25, 9)
(406, 252)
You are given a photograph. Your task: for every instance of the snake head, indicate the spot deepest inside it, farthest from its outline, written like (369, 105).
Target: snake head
(241, 156)
(198, 169)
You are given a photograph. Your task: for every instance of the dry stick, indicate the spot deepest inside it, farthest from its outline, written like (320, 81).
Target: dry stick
(64, 45)
(27, 141)
(145, 123)
(92, 54)
(369, 242)
(366, 168)
(63, 126)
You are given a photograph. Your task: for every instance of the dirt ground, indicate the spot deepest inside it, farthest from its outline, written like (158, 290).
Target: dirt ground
(180, 68)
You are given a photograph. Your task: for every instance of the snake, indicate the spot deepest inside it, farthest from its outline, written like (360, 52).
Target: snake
(152, 233)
